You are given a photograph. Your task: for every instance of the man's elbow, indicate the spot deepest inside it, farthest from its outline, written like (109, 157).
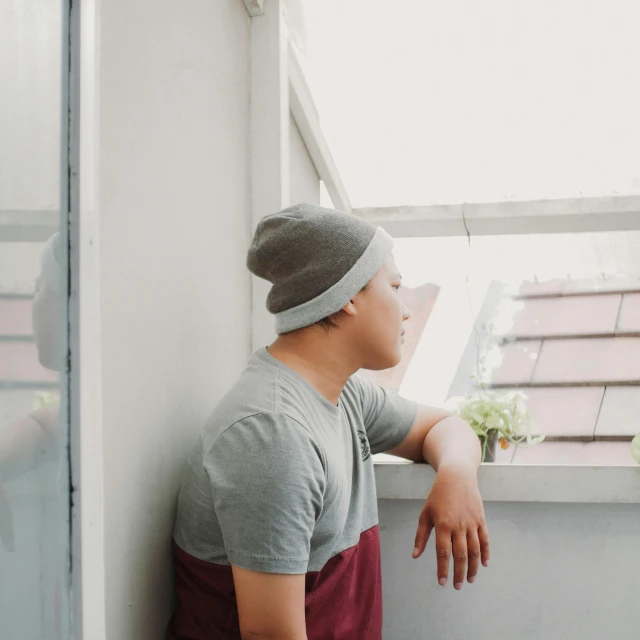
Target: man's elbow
(446, 415)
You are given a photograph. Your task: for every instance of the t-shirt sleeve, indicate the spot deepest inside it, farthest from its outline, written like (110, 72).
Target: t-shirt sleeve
(268, 482)
(388, 417)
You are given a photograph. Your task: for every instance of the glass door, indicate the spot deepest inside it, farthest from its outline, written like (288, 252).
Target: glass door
(34, 460)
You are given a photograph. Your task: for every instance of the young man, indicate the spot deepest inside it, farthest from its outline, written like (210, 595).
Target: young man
(277, 527)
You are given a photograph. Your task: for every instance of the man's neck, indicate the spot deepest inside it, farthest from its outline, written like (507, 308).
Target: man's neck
(318, 358)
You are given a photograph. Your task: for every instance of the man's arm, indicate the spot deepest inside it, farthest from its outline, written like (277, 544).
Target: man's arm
(268, 483)
(440, 438)
(454, 506)
(270, 605)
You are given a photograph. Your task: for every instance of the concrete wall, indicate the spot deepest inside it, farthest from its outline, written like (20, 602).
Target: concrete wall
(557, 571)
(174, 230)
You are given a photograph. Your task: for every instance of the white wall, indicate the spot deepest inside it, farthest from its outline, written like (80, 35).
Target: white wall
(304, 183)
(174, 230)
(557, 571)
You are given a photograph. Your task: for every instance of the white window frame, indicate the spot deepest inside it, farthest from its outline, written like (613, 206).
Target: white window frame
(279, 90)
(254, 7)
(28, 225)
(272, 54)
(88, 598)
(615, 213)
(514, 482)
(306, 117)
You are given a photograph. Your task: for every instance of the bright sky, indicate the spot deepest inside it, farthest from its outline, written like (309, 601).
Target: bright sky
(427, 101)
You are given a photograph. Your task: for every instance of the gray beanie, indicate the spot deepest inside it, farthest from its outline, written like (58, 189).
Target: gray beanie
(317, 259)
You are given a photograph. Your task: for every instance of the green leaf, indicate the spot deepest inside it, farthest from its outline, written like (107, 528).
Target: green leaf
(504, 413)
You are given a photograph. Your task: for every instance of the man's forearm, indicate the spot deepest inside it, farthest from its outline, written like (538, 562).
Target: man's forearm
(452, 443)
(453, 508)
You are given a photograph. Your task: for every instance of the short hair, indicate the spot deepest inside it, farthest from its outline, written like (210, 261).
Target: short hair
(329, 323)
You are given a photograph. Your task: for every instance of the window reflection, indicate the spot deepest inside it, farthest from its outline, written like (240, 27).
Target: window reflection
(34, 470)
(33, 476)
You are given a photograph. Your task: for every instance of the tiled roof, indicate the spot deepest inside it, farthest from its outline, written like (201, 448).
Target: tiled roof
(19, 364)
(573, 347)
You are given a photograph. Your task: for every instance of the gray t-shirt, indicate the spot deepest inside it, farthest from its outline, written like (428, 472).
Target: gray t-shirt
(281, 480)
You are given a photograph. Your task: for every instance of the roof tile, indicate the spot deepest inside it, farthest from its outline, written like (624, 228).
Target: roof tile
(515, 363)
(620, 413)
(629, 313)
(565, 412)
(15, 317)
(570, 316)
(587, 360)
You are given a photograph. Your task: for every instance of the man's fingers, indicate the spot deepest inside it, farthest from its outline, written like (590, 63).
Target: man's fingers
(473, 551)
(483, 536)
(459, 559)
(443, 554)
(425, 526)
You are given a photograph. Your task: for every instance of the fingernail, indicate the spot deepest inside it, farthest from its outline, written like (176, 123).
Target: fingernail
(472, 579)
(443, 581)
(458, 586)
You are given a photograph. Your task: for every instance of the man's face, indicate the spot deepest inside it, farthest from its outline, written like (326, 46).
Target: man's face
(378, 326)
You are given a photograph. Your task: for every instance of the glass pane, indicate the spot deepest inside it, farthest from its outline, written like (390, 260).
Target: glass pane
(34, 471)
(553, 317)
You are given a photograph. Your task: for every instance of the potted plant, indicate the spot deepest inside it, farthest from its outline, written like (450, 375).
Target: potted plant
(497, 416)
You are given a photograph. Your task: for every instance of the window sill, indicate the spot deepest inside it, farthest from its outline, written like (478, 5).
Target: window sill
(404, 480)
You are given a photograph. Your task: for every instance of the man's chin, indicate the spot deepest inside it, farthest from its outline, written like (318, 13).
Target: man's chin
(394, 363)
(388, 364)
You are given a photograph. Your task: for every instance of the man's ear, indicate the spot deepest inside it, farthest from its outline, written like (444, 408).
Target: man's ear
(350, 308)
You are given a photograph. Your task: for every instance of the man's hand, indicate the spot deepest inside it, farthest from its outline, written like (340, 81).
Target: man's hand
(454, 508)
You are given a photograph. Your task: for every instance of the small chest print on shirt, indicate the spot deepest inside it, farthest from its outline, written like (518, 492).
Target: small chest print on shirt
(365, 450)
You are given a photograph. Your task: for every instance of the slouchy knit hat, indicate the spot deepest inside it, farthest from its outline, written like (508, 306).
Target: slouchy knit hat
(317, 259)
